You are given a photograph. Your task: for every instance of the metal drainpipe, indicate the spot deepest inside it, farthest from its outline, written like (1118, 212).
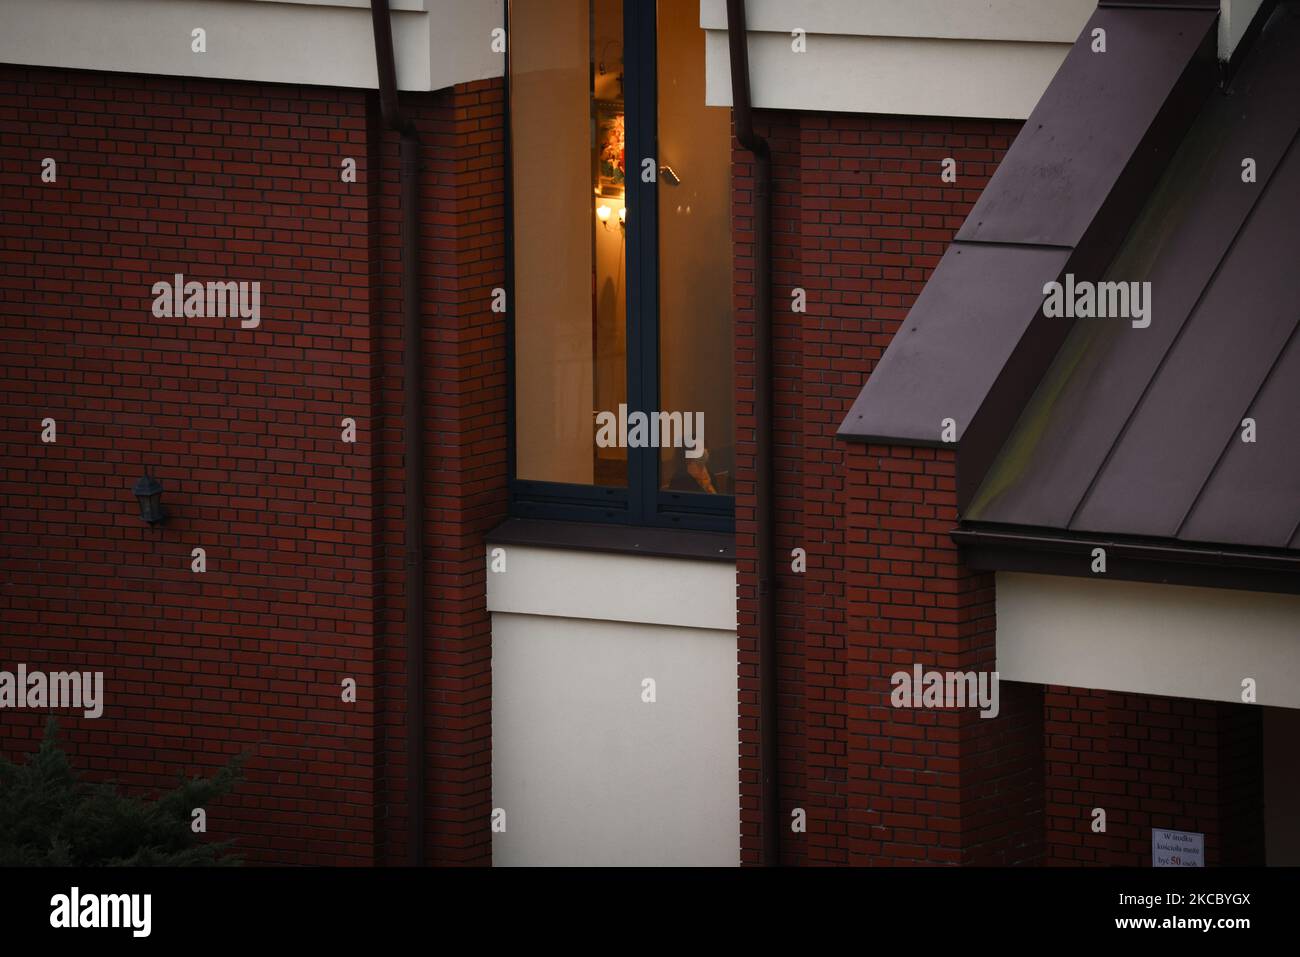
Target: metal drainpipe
(412, 424)
(767, 729)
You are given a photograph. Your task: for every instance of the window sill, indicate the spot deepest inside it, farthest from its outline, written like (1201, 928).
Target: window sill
(623, 539)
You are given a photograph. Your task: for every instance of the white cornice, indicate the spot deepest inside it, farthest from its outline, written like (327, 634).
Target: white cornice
(437, 43)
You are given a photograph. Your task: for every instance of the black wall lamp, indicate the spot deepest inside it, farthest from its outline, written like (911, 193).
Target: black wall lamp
(149, 491)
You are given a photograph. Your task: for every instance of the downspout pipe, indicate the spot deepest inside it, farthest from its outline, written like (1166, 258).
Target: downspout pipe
(743, 115)
(412, 424)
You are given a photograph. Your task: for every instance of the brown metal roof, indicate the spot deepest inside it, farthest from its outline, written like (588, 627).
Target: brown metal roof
(1096, 122)
(975, 345)
(937, 366)
(1137, 432)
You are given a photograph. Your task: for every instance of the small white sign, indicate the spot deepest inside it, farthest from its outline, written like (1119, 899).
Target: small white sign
(1177, 848)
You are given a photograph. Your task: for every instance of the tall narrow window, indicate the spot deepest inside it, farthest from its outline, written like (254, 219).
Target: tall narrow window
(695, 324)
(570, 275)
(621, 293)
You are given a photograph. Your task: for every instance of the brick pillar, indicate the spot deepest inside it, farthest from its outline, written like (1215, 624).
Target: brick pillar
(463, 254)
(861, 217)
(924, 785)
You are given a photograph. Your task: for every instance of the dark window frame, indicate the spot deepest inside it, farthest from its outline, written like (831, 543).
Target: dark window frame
(641, 502)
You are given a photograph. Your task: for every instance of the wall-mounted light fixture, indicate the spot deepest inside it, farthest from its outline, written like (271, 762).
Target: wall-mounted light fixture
(604, 212)
(148, 490)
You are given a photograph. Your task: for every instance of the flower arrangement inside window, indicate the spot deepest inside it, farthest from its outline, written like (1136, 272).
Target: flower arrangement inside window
(610, 161)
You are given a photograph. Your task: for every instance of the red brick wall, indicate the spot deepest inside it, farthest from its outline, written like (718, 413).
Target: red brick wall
(1150, 762)
(861, 218)
(233, 181)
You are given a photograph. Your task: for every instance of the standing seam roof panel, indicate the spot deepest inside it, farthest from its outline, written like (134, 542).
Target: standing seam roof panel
(1223, 491)
(1205, 385)
(1237, 504)
(1099, 137)
(1087, 128)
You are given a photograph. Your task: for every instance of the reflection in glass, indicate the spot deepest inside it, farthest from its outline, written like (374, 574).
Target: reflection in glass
(570, 271)
(694, 188)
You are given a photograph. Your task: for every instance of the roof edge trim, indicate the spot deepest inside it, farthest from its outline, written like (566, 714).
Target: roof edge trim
(1129, 558)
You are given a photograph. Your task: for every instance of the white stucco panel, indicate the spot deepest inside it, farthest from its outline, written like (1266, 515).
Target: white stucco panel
(436, 43)
(576, 584)
(1152, 639)
(587, 771)
(992, 79)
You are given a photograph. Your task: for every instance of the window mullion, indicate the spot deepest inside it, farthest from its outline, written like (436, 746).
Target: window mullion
(643, 246)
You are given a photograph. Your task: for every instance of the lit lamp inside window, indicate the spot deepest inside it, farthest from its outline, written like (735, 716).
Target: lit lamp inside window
(602, 213)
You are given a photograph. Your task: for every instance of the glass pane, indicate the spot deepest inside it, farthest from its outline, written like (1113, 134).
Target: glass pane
(566, 73)
(695, 348)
